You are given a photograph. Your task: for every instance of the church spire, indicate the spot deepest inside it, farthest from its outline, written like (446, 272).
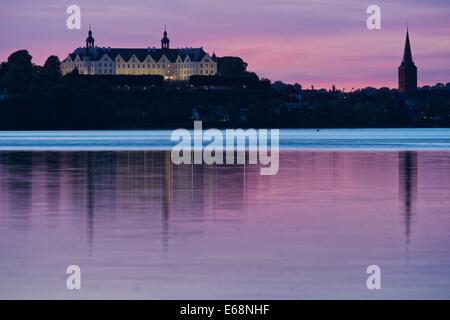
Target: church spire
(407, 72)
(407, 55)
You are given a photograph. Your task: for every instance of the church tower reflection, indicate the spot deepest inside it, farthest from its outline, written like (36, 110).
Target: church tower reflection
(90, 202)
(407, 174)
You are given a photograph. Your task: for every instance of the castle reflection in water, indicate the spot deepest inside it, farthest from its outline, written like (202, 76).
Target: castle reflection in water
(115, 185)
(142, 227)
(120, 184)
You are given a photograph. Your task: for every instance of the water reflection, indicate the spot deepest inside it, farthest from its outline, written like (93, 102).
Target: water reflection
(408, 187)
(90, 208)
(144, 228)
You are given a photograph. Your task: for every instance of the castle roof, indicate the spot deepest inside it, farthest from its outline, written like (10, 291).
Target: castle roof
(95, 54)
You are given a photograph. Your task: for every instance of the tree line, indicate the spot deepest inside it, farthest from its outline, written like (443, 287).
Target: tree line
(40, 98)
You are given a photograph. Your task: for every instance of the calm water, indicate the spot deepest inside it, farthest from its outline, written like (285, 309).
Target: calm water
(140, 227)
(354, 139)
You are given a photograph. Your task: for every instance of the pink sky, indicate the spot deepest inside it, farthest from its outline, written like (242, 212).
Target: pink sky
(313, 42)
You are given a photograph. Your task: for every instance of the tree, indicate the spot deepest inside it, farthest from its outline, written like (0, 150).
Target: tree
(19, 72)
(21, 61)
(74, 72)
(52, 67)
(3, 67)
(231, 66)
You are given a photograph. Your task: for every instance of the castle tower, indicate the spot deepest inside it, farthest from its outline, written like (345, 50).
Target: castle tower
(90, 40)
(407, 72)
(165, 42)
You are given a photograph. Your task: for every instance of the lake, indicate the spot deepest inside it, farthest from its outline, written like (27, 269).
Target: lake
(140, 227)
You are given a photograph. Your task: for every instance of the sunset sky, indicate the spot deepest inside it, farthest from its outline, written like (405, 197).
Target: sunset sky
(312, 42)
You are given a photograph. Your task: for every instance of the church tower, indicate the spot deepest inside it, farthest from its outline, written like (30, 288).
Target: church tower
(165, 42)
(407, 72)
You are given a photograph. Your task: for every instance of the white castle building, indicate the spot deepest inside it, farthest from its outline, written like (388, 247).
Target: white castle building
(173, 64)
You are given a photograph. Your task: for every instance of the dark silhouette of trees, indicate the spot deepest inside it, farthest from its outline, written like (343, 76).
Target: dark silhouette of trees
(18, 72)
(52, 68)
(3, 66)
(231, 66)
(247, 79)
(43, 99)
